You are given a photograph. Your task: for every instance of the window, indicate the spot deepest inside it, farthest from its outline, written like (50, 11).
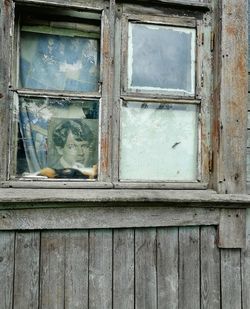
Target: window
(123, 102)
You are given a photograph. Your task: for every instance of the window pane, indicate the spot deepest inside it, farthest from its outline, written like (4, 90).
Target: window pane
(161, 58)
(158, 142)
(59, 62)
(58, 134)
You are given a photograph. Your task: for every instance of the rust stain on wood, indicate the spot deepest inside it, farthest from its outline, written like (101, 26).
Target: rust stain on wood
(104, 147)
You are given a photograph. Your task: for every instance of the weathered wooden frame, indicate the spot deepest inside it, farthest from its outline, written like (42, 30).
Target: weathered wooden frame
(199, 21)
(102, 97)
(226, 121)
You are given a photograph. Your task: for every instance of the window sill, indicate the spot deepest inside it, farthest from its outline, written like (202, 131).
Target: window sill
(44, 198)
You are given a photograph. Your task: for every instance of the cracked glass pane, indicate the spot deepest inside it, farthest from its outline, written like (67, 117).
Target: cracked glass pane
(58, 138)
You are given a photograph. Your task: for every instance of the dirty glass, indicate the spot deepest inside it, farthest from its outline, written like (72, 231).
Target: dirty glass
(58, 62)
(158, 142)
(58, 138)
(161, 58)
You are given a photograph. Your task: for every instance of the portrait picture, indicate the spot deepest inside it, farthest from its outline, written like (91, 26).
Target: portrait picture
(72, 143)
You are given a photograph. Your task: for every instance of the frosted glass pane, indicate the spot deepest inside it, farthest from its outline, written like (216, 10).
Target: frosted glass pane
(161, 58)
(158, 142)
(57, 62)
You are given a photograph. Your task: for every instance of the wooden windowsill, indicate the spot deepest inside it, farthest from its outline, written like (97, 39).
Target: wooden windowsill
(43, 198)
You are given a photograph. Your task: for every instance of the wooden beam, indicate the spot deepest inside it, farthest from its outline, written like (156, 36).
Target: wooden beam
(230, 96)
(105, 217)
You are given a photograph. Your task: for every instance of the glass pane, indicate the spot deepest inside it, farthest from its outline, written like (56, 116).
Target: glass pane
(58, 62)
(159, 142)
(161, 58)
(58, 138)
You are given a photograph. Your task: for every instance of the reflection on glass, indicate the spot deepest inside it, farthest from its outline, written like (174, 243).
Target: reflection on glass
(57, 62)
(58, 138)
(161, 58)
(158, 142)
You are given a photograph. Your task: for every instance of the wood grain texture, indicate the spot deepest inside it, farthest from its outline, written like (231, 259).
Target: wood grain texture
(123, 269)
(26, 284)
(76, 269)
(210, 269)
(245, 261)
(230, 97)
(145, 269)
(52, 277)
(167, 268)
(232, 228)
(6, 34)
(189, 268)
(231, 279)
(105, 217)
(7, 252)
(100, 269)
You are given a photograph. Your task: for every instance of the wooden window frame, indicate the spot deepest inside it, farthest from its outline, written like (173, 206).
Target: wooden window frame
(216, 134)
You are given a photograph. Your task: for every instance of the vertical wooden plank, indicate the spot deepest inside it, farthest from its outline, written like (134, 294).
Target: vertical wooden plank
(123, 269)
(246, 266)
(231, 278)
(7, 243)
(100, 269)
(52, 270)
(189, 268)
(26, 285)
(230, 97)
(6, 33)
(210, 269)
(145, 269)
(167, 268)
(232, 228)
(76, 269)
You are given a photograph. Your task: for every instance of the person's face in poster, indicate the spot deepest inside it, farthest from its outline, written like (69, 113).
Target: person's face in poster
(73, 140)
(74, 151)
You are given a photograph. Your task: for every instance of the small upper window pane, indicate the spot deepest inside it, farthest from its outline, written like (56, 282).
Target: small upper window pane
(161, 58)
(59, 59)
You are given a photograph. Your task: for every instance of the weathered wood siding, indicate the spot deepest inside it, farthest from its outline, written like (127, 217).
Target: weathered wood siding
(120, 268)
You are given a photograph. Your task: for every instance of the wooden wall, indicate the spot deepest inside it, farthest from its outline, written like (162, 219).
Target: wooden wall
(121, 268)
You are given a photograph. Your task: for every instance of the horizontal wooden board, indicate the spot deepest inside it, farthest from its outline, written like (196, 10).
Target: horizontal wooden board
(105, 217)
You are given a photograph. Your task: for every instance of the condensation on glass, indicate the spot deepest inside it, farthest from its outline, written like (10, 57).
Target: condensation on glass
(161, 59)
(58, 136)
(159, 142)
